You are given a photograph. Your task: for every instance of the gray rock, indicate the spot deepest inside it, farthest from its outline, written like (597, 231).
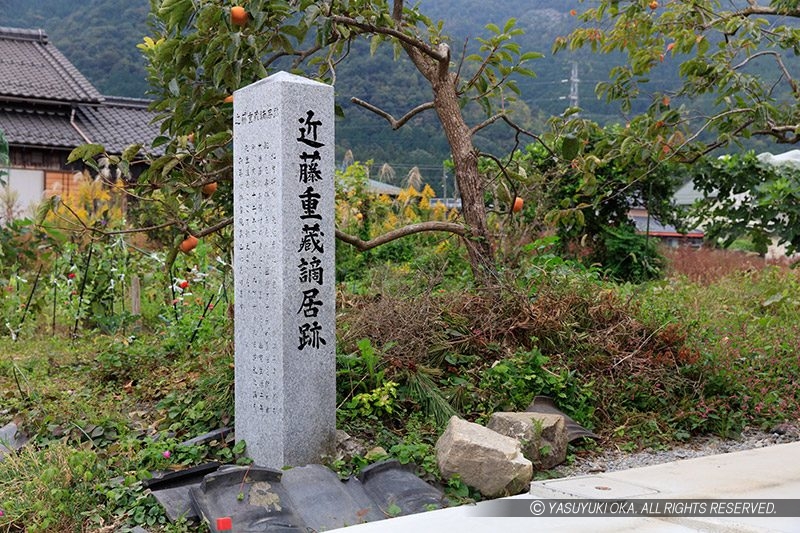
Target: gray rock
(543, 437)
(545, 404)
(11, 439)
(348, 447)
(484, 459)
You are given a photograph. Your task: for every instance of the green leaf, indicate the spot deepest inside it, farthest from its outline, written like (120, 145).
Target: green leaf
(569, 147)
(373, 44)
(222, 137)
(85, 151)
(239, 447)
(393, 510)
(527, 56)
(131, 151)
(160, 140)
(45, 207)
(124, 167)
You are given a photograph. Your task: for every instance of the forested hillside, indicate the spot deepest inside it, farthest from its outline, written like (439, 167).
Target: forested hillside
(100, 37)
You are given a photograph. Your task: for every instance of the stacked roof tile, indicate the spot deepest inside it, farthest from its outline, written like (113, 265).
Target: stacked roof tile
(31, 67)
(117, 123)
(46, 102)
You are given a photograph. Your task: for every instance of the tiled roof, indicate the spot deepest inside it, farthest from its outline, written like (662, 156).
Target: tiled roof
(28, 127)
(31, 67)
(115, 123)
(379, 187)
(656, 228)
(46, 102)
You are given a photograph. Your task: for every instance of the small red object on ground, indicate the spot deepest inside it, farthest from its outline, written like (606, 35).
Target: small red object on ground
(224, 523)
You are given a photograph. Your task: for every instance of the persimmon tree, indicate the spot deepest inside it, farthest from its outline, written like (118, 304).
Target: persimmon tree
(737, 78)
(197, 58)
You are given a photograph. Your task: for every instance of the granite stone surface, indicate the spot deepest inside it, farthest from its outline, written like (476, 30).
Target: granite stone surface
(285, 373)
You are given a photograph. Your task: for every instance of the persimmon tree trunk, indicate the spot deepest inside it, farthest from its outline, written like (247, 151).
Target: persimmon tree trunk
(470, 184)
(436, 69)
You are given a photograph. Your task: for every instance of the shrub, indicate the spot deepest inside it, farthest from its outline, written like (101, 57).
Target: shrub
(625, 255)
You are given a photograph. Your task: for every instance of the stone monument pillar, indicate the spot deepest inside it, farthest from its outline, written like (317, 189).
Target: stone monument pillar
(284, 321)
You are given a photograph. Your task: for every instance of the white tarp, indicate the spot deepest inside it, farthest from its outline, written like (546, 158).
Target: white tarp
(792, 157)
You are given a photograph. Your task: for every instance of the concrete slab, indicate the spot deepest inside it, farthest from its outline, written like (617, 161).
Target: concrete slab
(590, 487)
(769, 473)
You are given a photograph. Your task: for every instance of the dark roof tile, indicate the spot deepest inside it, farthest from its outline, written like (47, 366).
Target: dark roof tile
(118, 123)
(115, 124)
(31, 67)
(30, 127)
(45, 101)
(654, 227)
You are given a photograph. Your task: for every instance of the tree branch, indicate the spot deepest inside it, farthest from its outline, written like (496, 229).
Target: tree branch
(782, 134)
(396, 123)
(406, 39)
(216, 227)
(300, 55)
(461, 61)
(303, 54)
(478, 72)
(107, 233)
(500, 82)
(778, 59)
(405, 231)
(522, 131)
(397, 11)
(711, 146)
(709, 122)
(488, 122)
(212, 176)
(444, 63)
(134, 230)
(503, 167)
(755, 9)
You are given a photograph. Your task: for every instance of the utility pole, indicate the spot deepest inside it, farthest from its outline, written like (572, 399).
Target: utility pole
(574, 82)
(444, 181)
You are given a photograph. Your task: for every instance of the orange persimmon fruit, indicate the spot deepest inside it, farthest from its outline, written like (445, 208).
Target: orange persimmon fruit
(239, 16)
(209, 188)
(188, 244)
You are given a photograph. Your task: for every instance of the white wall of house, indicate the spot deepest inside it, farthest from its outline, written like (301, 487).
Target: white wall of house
(23, 193)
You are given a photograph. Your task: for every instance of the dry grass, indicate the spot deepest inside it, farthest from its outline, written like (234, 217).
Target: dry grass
(708, 265)
(581, 327)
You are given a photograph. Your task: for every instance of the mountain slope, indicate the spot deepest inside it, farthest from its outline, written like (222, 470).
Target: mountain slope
(100, 37)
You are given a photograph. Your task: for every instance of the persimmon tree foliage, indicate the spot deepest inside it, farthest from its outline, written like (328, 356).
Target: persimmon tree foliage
(197, 58)
(737, 69)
